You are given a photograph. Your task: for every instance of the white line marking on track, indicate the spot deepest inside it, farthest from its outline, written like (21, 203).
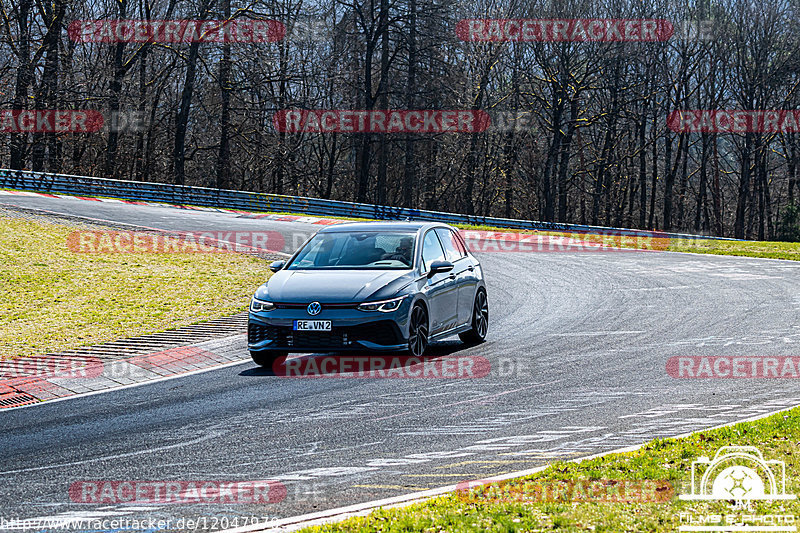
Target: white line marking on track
(117, 456)
(474, 400)
(595, 333)
(675, 288)
(362, 509)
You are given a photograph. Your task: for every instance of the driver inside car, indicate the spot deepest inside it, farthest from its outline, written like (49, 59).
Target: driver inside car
(402, 252)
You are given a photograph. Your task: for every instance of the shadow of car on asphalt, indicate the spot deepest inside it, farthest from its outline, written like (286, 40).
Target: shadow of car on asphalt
(437, 351)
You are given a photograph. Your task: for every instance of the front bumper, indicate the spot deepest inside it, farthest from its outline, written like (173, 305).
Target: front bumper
(351, 330)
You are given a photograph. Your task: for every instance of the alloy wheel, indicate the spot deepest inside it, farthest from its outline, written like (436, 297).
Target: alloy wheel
(418, 331)
(481, 315)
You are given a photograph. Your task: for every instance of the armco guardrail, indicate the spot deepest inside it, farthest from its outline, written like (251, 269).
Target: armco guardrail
(252, 201)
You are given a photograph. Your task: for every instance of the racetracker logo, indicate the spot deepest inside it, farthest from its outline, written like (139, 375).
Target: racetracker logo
(515, 120)
(385, 121)
(127, 242)
(182, 492)
(575, 490)
(176, 31)
(610, 241)
(734, 121)
(733, 367)
(564, 30)
(382, 367)
(69, 121)
(50, 121)
(51, 367)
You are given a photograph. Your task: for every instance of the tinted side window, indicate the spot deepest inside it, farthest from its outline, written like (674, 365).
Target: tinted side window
(449, 242)
(458, 239)
(431, 250)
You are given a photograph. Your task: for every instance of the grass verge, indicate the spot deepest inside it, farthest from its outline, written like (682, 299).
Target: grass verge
(777, 436)
(767, 249)
(54, 299)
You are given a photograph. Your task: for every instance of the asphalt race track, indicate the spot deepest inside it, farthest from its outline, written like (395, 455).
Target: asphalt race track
(578, 344)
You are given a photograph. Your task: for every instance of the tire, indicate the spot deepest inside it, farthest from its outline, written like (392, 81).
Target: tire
(266, 359)
(418, 331)
(480, 320)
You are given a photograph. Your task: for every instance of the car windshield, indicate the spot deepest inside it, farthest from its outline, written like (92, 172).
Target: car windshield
(357, 250)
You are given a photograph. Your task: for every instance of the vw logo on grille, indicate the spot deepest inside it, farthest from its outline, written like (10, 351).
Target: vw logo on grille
(314, 308)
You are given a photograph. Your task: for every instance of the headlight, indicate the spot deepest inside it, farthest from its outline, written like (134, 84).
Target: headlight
(261, 305)
(384, 306)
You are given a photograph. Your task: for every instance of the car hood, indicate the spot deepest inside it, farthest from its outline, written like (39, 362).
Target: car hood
(333, 286)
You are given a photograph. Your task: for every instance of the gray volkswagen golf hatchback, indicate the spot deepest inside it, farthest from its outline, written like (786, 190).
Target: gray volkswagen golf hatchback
(381, 286)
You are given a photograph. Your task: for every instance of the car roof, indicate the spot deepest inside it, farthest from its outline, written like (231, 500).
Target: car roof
(382, 226)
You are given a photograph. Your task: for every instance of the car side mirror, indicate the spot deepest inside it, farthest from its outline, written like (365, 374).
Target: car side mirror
(276, 265)
(438, 267)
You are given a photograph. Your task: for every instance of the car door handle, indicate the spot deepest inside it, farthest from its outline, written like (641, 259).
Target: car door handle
(452, 276)
(471, 268)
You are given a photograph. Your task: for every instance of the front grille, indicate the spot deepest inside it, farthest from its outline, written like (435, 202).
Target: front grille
(281, 305)
(258, 332)
(317, 339)
(384, 332)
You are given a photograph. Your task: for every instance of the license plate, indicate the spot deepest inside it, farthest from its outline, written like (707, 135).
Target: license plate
(312, 325)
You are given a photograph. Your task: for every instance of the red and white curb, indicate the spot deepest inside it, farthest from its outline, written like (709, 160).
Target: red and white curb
(340, 514)
(296, 218)
(101, 376)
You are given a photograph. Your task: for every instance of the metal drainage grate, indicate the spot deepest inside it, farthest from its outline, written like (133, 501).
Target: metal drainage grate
(17, 399)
